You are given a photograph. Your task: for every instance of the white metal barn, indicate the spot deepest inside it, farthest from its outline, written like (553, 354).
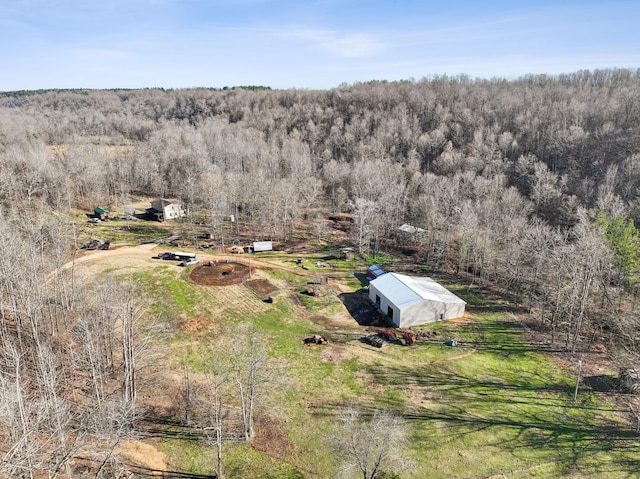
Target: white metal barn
(412, 300)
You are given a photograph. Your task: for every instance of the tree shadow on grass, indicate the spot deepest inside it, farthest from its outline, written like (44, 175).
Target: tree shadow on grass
(524, 409)
(501, 337)
(512, 387)
(515, 405)
(165, 428)
(603, 383)
(564, 436)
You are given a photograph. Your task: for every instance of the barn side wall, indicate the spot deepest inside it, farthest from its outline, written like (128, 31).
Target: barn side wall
(427, 311)
(384, 304)
(421, 312)
(454, 310)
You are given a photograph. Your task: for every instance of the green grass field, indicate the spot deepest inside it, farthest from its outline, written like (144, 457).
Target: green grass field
(490, 406)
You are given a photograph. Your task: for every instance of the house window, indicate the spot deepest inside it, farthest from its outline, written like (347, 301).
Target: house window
(377, 300)
(390, 312)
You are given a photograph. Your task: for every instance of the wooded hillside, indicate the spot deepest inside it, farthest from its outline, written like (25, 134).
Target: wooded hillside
(506, 177)
(531, 185)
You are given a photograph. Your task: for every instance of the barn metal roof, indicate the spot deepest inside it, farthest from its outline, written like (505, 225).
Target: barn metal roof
(403, 290)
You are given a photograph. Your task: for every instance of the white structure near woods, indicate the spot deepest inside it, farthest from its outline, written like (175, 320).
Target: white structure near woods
(167, 209)
(412, 230)
(412, 300)
(262, 246)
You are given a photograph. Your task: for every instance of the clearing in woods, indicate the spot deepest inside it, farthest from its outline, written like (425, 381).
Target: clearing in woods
(493, 405)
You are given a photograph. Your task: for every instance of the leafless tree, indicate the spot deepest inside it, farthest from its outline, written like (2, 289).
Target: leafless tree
(218, 403)
(503, 176)
(369, 447)
(257, 378)
(364, 212)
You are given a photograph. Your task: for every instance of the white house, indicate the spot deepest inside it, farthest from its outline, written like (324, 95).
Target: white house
(412, 300)
(166, 209)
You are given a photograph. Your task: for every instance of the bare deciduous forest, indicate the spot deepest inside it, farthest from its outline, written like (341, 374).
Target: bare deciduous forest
(531, 185)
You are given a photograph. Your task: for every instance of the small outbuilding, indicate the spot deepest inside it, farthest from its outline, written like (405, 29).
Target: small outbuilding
(259, 246)
(413, 300)
(346, 252)
(412, 230)
(374, 271)
(101, 213)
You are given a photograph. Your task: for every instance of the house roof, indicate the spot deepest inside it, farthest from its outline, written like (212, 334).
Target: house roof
(403, 290)
(101, 209)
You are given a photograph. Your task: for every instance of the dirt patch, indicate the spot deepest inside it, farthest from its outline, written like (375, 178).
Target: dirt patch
(336, 322)
(321, 320)
(219, 273)
(271, 437)
(262, 287)
(144, 456)
(335, 355)
(464, 319)
(454, 358)
(340, 286)
(195, 324)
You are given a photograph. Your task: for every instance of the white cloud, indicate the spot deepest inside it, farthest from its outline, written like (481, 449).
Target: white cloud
(347, 45)
(354, 46)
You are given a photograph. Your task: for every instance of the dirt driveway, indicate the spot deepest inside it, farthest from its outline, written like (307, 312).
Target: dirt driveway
(141, 255)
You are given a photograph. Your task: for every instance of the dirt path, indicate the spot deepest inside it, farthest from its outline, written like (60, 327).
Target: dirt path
(142, 252)
(454, 358)
(110, 253)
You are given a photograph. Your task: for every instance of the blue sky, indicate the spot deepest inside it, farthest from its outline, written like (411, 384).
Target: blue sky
(304, 44)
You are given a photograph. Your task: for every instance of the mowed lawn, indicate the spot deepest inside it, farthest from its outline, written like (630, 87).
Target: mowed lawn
(489, 406)
(505, 409)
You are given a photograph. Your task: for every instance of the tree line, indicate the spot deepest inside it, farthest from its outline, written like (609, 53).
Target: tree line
(532, 185)
(505, 177)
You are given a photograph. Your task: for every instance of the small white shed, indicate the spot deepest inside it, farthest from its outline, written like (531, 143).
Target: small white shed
(413, 300)
(262, 246)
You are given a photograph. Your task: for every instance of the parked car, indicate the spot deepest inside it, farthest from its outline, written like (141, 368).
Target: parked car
(167, 255)
(189, 262)
(92, 245)
(94, 220)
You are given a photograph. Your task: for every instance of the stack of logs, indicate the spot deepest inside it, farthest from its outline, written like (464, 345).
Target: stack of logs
(629, 380)
(316, 339)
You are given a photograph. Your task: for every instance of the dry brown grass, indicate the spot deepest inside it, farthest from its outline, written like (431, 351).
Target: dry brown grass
(195, 324)
(143, 455)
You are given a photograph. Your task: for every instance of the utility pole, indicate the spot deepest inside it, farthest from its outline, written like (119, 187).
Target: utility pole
(575, 394)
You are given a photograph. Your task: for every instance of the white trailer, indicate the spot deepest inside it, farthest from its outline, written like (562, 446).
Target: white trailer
(259, 246)
(184, 256)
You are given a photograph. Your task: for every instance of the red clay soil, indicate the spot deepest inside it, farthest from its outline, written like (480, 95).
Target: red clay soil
(219, 273)
(262, 287)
